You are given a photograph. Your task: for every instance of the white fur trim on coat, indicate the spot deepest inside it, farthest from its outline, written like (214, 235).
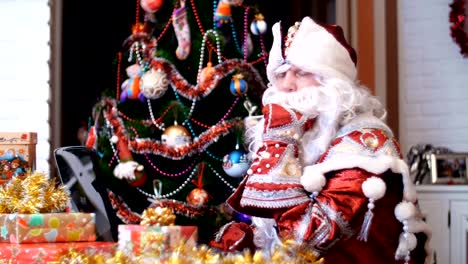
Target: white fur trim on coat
(375, 165)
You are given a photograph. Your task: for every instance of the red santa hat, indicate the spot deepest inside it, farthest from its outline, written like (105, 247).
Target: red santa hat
(320, 49)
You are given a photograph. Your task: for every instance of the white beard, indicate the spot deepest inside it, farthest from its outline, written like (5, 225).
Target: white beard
(334, 103)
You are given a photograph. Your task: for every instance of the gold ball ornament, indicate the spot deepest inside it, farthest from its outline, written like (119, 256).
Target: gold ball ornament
(198, 197)
(176, 136)
(154, 84)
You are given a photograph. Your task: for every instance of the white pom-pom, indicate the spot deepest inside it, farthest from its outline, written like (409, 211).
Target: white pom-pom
(126, 170)
(114, 139)
(374, 188)
(408, 242)
(404, 211)
(312, 182)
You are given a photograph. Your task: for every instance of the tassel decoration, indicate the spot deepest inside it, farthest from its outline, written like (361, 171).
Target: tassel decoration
(364, 234)
(373, 188)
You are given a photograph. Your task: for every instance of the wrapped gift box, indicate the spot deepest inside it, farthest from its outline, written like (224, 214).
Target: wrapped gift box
(17, 154)
(155, 241)
(42, 253)
(38, 228)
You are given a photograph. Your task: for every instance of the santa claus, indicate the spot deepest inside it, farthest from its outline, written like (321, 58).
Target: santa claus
(327, 171)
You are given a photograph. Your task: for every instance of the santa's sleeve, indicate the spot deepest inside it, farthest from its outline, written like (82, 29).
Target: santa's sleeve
(336, 212)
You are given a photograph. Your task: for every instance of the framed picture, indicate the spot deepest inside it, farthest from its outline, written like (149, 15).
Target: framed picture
(449, 168)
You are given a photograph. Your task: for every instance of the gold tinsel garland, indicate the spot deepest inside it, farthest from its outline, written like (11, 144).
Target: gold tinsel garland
(288, 252)
(31, 194)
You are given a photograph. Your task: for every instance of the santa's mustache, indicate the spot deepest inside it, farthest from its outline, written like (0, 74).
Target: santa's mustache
(310, 101)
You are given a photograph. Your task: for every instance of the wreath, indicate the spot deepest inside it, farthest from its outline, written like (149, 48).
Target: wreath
(457, 23)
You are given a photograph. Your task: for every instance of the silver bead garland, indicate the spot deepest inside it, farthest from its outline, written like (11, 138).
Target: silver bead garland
(182, 186)
(202, 50)
(150, 108)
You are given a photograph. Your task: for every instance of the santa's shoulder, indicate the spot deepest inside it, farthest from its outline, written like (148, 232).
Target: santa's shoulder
(364, 136)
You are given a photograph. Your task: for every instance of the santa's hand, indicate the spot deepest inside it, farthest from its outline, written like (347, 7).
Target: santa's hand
(126, 170)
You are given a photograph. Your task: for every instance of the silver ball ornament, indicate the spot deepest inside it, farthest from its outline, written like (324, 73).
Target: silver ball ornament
(154, 84)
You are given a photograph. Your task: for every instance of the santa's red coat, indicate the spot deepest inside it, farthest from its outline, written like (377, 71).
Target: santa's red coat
(330, 222)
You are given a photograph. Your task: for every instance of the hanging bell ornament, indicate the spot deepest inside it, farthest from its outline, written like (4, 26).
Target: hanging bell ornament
(238, 85)
(236, 164)
(176, 136)
(154, 84)
(151, 6)
(258, 25)
(198, 197)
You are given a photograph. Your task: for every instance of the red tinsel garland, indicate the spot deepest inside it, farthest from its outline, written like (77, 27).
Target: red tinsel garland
(195, 92)
(457, 25)
(123, 211)
(183, 208)
(156, 147)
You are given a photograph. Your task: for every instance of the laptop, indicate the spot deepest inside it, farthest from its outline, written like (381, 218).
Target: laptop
(77, 169)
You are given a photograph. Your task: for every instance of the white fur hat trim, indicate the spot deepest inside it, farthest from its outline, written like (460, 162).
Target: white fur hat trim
(329, 58)
(375, 165)
(405, 210)
(374, 188)
(312, 182)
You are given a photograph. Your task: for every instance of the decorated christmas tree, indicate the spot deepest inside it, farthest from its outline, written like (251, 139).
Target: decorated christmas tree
(170, 133)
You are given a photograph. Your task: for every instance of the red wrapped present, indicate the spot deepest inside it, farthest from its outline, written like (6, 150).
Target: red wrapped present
(51, 252)
(17, 154)
(53, 227)
(155, 240)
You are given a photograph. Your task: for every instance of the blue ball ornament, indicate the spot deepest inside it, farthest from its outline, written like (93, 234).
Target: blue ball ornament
(238, 85)
(258, 26)
(236, 163)
(239, 217)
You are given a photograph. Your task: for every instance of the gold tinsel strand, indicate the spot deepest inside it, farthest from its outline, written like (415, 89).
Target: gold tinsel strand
(11, 195)
(33, 187)
(59, 197)
(288, 252)
(158, 216)
(32, 194)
